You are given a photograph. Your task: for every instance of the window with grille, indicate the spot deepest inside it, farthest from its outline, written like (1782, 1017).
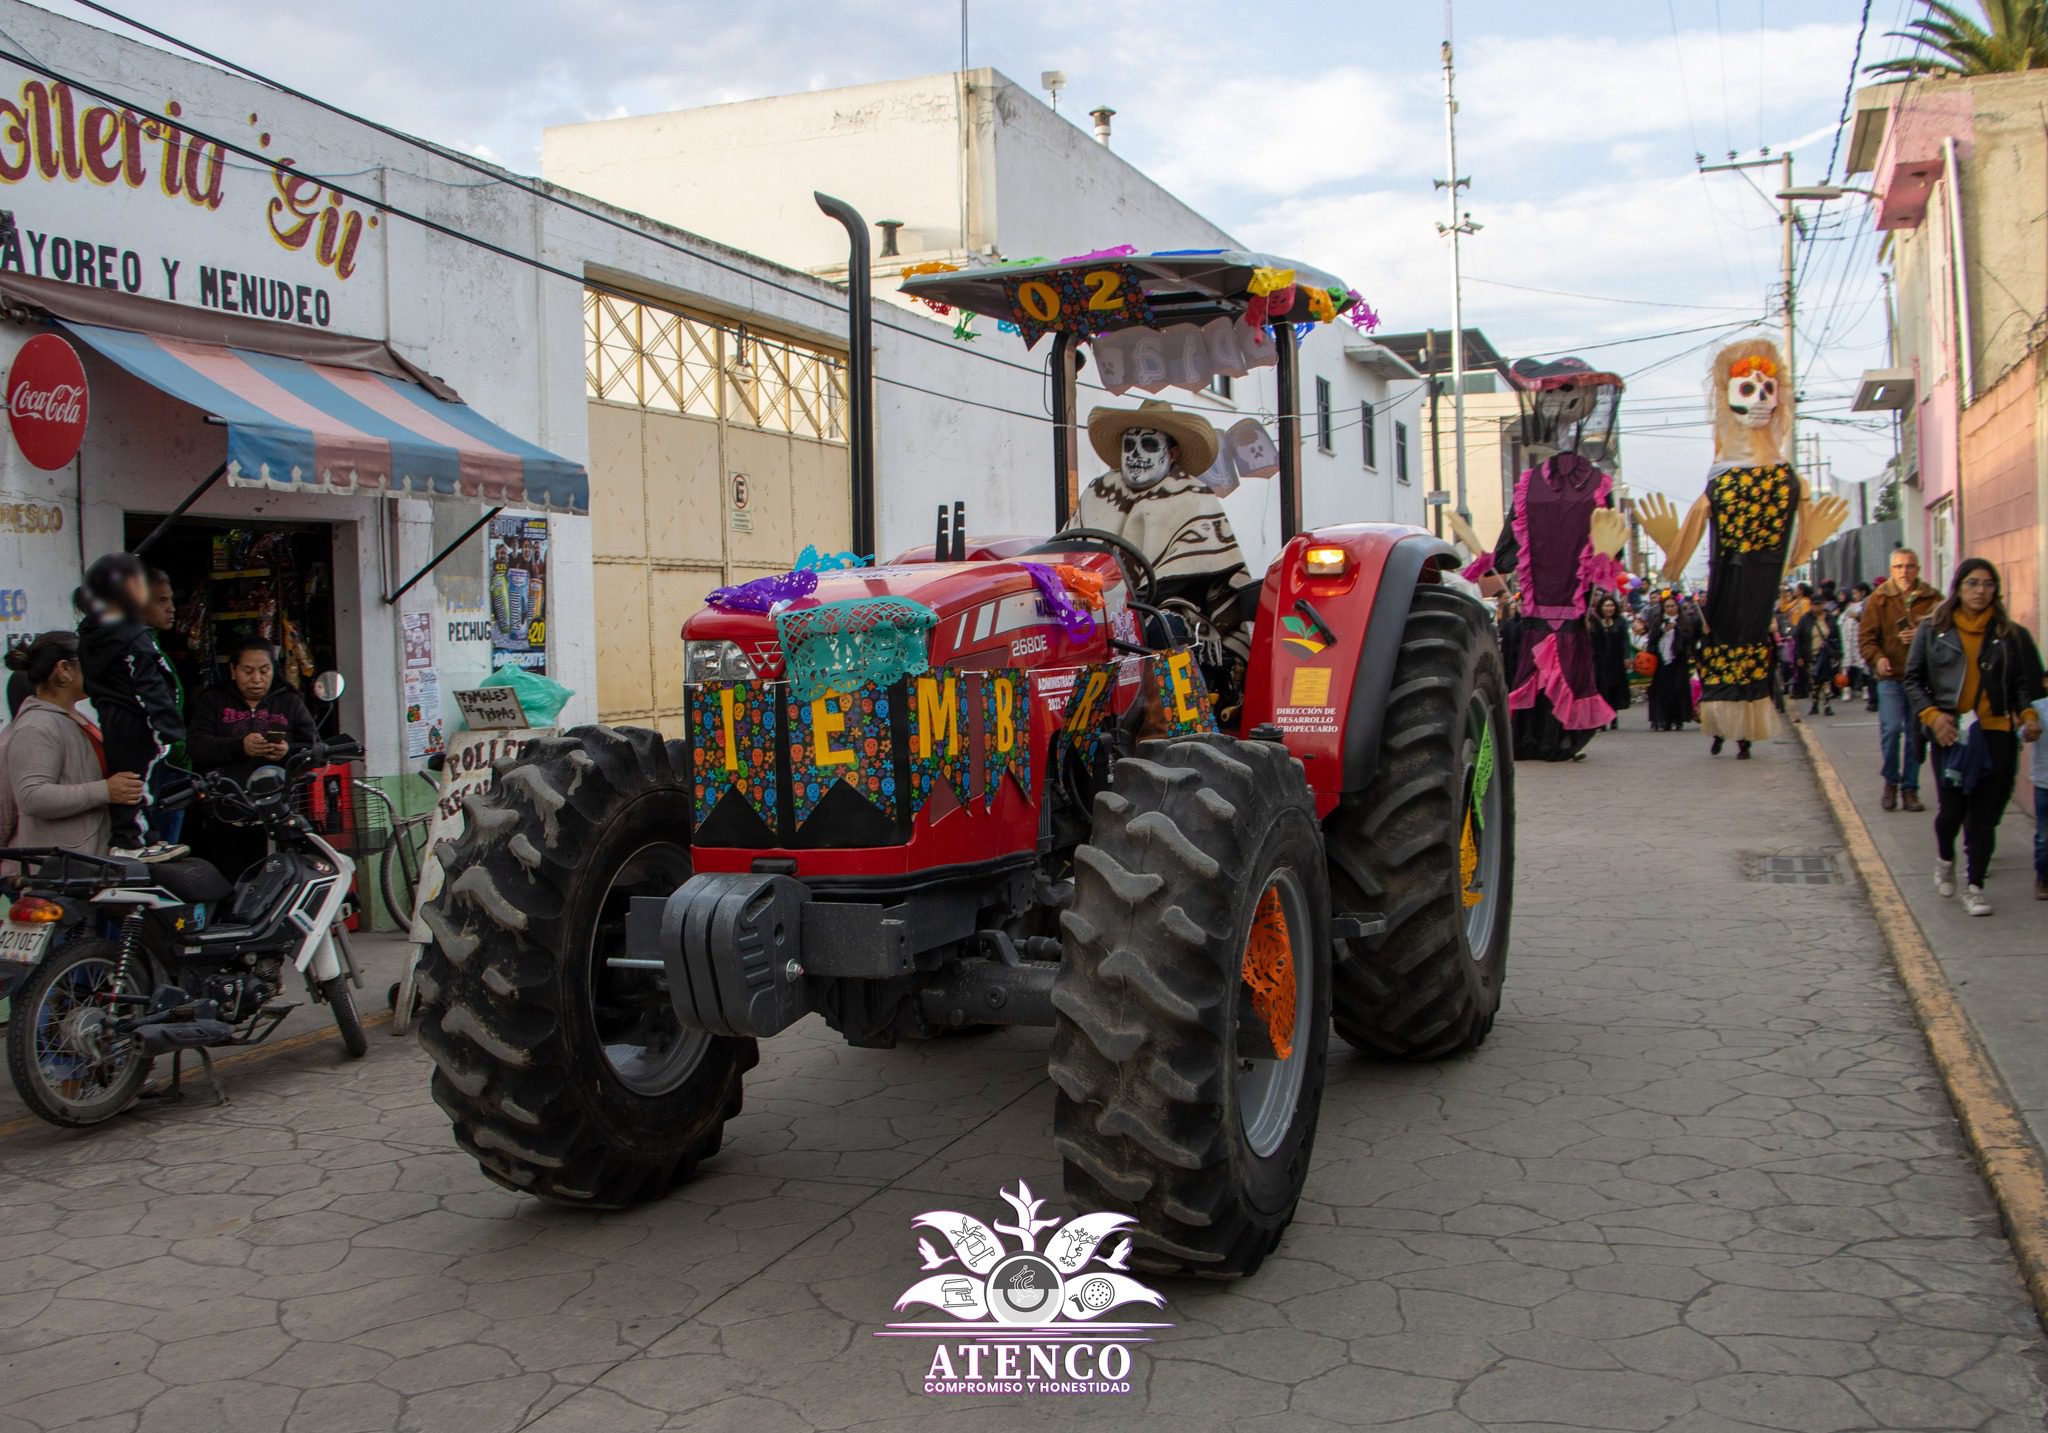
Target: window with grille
(1401, 451)
(1325, 439)
(680, 362)
(1368, 424)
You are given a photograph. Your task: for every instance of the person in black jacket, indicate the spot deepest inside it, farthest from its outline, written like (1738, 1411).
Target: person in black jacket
(131, 689)
(1972, 675)
(1611, 654)
(247, 721)
(1674, 641)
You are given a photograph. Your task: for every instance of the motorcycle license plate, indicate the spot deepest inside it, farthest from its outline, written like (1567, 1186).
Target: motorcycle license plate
(23, 944)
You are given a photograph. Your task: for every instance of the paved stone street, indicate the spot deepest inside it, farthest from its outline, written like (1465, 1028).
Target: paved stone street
(1701, 1179)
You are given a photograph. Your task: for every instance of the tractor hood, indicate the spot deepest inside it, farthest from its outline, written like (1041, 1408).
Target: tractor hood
(988, 613)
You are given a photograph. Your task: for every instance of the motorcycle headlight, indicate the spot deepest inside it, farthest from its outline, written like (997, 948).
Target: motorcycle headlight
(719, 661)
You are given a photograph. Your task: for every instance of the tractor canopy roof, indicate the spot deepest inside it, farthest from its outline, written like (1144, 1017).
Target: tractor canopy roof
(1120, 288)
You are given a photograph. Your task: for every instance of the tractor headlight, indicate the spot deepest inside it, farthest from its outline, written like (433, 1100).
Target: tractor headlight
(719, 661)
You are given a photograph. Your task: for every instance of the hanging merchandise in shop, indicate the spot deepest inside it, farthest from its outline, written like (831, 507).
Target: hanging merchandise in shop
(519, 574)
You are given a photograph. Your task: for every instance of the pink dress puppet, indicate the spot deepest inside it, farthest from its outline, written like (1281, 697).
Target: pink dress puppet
(1548, 549)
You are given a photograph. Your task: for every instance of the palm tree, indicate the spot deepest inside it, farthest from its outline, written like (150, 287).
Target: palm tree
(2014, 37)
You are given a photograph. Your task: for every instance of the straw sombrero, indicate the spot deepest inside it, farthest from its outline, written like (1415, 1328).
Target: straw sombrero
(1190, 432)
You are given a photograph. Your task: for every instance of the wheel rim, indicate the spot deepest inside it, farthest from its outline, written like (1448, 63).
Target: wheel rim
(79, 1062)
(1269, 1090)
(1482, 839)
(645, 1047)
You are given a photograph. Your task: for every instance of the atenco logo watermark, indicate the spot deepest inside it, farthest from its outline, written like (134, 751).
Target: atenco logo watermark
(1026, 1319)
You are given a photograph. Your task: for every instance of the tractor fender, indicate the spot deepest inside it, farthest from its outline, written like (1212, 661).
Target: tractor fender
(1414, 560)
(1324, 650)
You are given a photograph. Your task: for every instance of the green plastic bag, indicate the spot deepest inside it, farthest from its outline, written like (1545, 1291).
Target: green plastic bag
(541, 698)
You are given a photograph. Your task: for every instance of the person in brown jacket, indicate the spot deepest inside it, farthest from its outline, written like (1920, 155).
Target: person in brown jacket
(1891, 616)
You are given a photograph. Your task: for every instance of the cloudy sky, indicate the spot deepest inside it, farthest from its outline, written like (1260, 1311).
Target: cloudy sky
(1311, 127)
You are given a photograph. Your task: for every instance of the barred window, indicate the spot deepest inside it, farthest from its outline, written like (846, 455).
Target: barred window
(681, 362)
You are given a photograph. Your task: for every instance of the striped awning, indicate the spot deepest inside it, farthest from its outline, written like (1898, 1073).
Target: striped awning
(296, 426)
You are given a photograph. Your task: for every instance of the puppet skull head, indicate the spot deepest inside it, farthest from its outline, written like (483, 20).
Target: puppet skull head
(1148, 456)
(1752, 396)
(1560, 407)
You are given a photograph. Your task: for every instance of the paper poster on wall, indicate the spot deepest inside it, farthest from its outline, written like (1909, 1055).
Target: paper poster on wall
(424, 729)
(417, 631)
(518, 557)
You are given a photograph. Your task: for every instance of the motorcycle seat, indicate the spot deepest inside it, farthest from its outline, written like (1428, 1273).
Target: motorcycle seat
(192, 880)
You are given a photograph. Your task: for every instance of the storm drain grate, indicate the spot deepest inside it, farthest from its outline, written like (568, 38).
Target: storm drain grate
(1810, 868)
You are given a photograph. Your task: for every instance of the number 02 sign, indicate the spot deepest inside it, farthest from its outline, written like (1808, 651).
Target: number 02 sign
(1077, 301)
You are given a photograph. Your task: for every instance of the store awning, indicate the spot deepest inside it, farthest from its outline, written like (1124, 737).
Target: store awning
(297, 426)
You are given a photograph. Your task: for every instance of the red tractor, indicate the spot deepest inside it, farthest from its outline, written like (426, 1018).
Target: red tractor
(1328, 842)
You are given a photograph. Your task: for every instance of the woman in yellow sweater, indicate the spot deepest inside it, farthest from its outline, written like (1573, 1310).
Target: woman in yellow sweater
(1972, 674)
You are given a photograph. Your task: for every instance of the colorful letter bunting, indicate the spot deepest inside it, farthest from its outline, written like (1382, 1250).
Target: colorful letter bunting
(939, 734)
(966, 730)
(841, 736)
(1006, 728)
(1174, 683)
(734, 727)
(1089, 710)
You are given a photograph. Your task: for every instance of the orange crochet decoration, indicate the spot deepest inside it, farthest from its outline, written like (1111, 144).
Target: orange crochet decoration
(1269, 971)
(1468, 865)
(1758, 367)
(1085, 586)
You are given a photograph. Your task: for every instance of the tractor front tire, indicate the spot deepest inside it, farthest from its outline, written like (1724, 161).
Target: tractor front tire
(1430, 984)
(1171, 1106)
(565, 1078)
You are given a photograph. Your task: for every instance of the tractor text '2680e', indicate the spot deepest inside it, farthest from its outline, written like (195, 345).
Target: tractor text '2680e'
(1030, 821)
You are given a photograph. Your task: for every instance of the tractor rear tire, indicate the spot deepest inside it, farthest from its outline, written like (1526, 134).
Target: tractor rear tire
(564, 1078)
(1430, 984)
(1158, 1114)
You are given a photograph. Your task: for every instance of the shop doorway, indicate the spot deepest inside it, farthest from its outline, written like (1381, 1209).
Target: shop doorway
(233, 579)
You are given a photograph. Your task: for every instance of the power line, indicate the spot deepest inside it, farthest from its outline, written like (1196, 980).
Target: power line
(1644, 338)
(494, 175)
(1595, 298)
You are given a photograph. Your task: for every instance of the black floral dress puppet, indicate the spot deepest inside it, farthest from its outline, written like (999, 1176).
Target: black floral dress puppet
(1762, 520)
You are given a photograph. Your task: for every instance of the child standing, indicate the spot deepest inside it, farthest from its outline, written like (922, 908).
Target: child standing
(130, 684)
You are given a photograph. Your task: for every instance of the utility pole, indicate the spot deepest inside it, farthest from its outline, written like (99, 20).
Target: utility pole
(1455, 229)
(1436, 433)
(1788, 224)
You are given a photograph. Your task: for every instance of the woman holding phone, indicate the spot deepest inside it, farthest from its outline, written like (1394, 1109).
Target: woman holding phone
(247, 721)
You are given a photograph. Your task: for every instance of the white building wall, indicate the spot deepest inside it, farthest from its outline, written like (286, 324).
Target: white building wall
(975, 167)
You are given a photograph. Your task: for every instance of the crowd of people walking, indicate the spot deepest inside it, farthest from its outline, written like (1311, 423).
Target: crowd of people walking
(1955, 683)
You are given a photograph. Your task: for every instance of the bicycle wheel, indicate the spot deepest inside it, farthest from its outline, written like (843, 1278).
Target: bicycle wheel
(398, 870)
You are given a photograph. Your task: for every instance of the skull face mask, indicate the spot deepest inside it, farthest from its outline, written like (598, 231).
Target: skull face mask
(1753, 399)
(1148, 455)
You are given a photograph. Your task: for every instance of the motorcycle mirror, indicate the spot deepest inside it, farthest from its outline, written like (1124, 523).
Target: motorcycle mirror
(329, 686)
(265, 781)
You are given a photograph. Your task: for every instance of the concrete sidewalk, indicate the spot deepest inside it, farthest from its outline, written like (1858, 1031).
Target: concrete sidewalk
(1998, 965)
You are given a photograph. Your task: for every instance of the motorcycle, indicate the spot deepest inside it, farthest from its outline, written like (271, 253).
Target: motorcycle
(126, 962)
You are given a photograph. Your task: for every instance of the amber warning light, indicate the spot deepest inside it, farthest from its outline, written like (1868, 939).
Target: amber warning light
(34, 910)
(1326, 561)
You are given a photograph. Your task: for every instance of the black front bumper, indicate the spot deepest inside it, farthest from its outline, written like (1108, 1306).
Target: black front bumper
(750, 953)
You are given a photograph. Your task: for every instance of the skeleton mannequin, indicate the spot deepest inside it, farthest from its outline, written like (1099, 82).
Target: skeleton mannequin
(1153, 499)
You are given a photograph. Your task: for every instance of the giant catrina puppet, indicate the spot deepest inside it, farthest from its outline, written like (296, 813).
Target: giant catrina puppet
(1762, 521)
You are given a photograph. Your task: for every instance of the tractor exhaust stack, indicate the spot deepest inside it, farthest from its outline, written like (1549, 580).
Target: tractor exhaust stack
(860, 378)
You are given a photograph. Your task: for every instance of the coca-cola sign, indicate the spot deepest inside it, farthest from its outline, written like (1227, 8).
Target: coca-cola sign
(46, 401)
